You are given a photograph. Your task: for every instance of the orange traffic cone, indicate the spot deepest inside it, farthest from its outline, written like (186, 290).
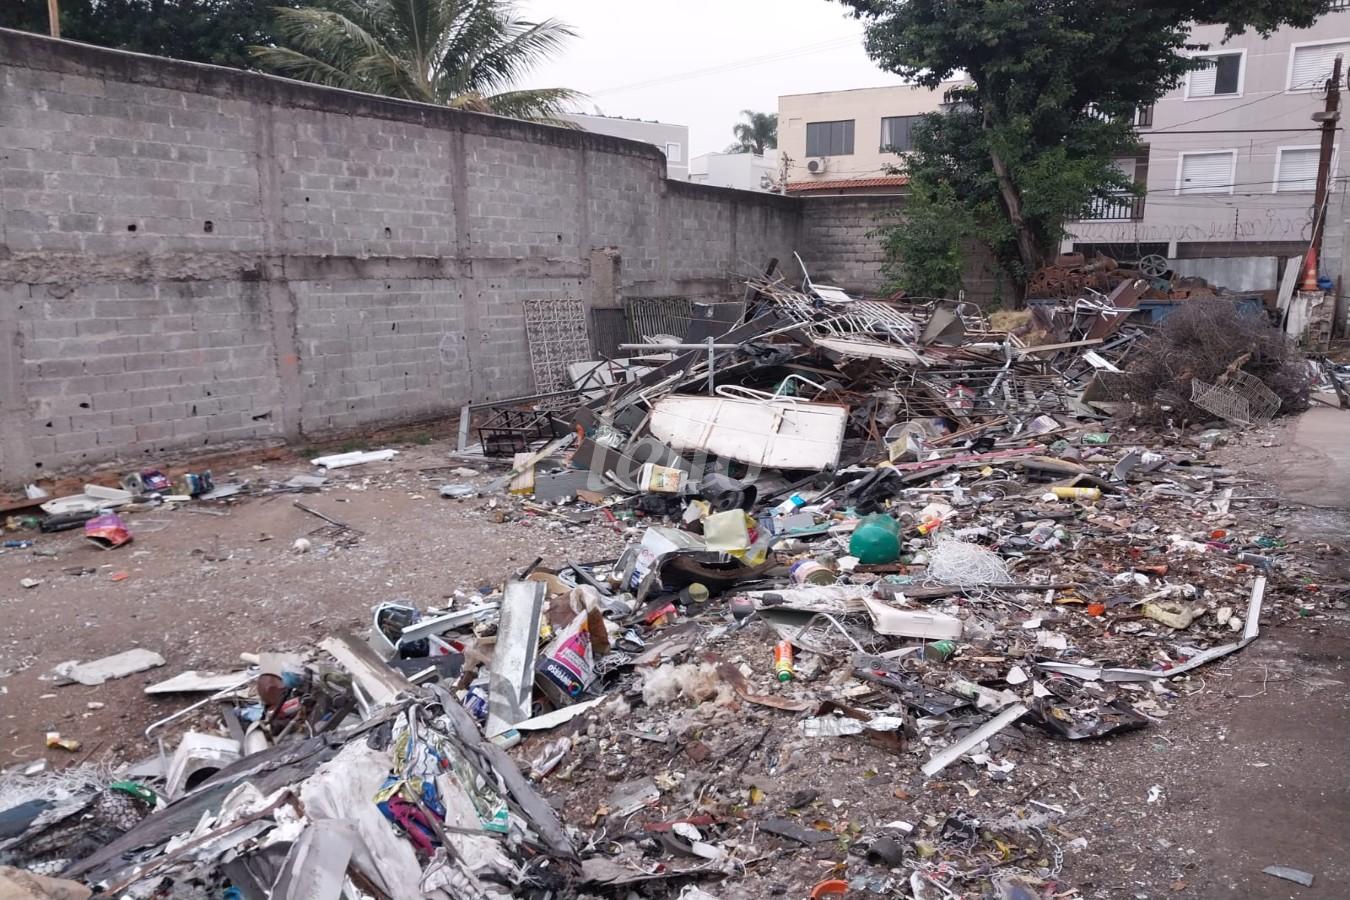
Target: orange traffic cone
(1309, 271)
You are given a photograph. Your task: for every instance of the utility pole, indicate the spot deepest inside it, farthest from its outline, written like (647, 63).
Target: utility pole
(1330, 118)
(54, 17)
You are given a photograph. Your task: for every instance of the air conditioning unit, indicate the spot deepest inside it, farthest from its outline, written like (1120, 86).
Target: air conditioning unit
(816, 166)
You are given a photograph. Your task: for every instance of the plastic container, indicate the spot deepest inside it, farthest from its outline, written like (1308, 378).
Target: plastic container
(1077, 493)
(940, 651)
(876, 540)
(808, 571)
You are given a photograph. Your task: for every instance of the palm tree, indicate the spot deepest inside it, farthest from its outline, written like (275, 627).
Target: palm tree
(462, 53)
(755, 135)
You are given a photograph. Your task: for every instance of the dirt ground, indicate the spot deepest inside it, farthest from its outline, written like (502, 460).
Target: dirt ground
(1248, 770)
(201, 589)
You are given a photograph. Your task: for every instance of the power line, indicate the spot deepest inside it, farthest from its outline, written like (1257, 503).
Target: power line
(730, 66)
(1239, 130)
(1233, 185)
(1270, 96)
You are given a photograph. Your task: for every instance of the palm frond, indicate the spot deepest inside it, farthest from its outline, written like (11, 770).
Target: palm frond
(294, 64)
(522, 46)
(546, 105)
(469, 54)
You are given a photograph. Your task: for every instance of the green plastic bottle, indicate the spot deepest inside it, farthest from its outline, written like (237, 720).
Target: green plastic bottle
(876, 540)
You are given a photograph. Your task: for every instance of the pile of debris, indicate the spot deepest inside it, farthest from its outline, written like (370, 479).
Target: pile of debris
(884, 531)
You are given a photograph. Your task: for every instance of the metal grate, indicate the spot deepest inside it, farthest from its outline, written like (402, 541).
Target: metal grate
(609, 329)
(1243, 400)
(557, 335)
(650, 316)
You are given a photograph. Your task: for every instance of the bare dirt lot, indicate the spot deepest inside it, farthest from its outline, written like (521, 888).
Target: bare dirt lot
(1246, 770)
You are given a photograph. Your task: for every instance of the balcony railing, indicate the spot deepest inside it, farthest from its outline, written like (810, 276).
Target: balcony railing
(1122, 208)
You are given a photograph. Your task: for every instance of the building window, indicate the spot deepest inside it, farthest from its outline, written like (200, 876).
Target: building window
(672, 153)
(1223, 78)
(1310, 65)
(1296, 168)
(829, 138)
(895, 131)
(1208, 172)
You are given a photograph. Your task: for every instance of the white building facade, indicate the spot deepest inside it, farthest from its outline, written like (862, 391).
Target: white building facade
(743, 171)
(672, 140)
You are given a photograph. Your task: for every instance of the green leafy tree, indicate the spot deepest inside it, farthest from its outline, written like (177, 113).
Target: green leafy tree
(1027, 145)
(468, 54)
(759, 132)
(209, 31)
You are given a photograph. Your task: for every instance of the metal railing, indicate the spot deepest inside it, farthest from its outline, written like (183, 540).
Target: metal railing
(1121, 208)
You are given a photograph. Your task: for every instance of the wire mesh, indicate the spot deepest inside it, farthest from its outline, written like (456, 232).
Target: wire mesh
(1242, 400)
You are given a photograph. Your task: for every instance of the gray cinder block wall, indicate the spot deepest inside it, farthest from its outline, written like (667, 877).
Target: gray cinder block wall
(193, 257)
(840, 246)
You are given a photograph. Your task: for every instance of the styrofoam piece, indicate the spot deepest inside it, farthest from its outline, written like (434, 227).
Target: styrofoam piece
(912, 623)
(116, 666)
(355, 458)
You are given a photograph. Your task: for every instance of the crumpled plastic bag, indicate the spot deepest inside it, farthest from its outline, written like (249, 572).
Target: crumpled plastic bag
(107, 531)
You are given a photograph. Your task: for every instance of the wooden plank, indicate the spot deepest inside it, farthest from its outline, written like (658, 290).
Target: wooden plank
(1048, 348)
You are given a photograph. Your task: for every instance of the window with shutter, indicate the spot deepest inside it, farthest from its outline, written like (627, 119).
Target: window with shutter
(1296, 168)
(1310, 64)
(1206, 173)
(1223, 78)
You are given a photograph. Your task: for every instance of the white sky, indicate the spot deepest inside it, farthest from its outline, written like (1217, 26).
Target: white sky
(624, 45)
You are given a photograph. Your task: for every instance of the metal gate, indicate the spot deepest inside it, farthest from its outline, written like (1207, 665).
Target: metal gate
(650, 316)
(557, 333)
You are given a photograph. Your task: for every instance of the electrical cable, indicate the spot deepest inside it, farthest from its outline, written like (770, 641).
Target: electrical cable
(731, 66)
(1230, 109)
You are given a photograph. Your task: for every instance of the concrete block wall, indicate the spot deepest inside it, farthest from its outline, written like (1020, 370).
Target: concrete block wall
(840, 247)
(836, 241)
(193, 257)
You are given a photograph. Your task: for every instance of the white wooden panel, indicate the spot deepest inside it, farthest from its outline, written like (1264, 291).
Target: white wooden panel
(775, 435)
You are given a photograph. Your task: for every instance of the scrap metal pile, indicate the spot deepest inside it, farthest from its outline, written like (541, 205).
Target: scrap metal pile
(1073, 275)
(853, 527)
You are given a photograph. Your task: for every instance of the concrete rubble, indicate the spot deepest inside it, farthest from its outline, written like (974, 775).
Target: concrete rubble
(870, 546)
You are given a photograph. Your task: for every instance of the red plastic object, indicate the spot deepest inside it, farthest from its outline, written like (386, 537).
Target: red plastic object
(829, 888)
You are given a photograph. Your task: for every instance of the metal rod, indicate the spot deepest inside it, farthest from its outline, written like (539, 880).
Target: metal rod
(712, 366)
(680, 346)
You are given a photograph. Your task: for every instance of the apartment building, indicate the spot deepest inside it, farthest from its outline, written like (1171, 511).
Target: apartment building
(1228, 160)
(743, 171)
(672, 140)
(844, 141)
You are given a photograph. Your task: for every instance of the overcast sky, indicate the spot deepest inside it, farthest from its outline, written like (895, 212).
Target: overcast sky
(634, 58)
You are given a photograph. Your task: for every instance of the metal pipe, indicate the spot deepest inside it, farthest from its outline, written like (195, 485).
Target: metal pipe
(679, 346)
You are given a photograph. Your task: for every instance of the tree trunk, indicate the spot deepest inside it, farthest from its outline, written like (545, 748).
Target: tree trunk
(1027, 250)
